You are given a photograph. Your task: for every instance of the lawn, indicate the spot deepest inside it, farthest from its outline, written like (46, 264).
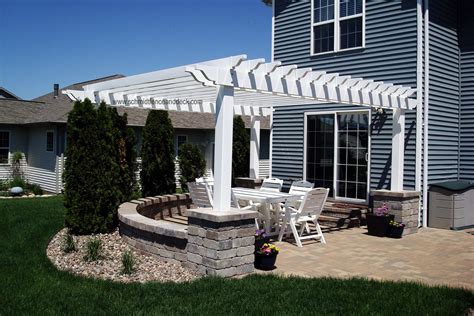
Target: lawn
(31, 285)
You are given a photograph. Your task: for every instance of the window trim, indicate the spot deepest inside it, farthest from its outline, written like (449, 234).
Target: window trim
(54, 146)
(9, 147)
(177, 142)
(337, 34)
(335, 174)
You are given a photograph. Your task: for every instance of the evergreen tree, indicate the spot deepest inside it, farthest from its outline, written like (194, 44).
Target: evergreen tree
(91, 170)
(192, 164)
(240, 149)
(157, 174)
(127, 157)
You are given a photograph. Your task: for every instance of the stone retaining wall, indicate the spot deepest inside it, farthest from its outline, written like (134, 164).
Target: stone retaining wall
(214, 243)
(404, 205)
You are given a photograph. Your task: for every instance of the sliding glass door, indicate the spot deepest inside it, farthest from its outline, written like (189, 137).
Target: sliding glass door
(337, 153)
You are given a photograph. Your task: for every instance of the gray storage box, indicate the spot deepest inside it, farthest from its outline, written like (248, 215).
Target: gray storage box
(451, 205)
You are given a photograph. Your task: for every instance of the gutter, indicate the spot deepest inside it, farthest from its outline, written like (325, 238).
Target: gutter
(426, 114)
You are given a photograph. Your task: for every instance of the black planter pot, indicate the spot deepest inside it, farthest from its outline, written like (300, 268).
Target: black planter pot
(396, 232)
(378, 225)
(260, 242)
(264, 262)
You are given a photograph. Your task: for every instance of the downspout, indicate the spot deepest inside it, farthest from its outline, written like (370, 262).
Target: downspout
(273, 29)
(419, 97)
(426, 114)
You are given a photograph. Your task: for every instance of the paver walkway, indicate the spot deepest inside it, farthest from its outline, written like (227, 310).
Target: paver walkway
(431, 256)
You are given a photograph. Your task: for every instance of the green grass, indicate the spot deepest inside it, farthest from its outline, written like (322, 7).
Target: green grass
(29, 284)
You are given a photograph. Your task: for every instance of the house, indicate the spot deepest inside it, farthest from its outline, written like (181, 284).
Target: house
(425, 45)
(38, 129)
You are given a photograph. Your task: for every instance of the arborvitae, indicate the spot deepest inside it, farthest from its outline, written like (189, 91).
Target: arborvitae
(157, 174)
(240, 149)
(192, 164)
(127, 157)
(91, 172)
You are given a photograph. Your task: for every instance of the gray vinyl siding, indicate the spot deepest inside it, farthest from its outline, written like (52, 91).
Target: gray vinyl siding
(444, 92)
(389, 56)
(467, 93)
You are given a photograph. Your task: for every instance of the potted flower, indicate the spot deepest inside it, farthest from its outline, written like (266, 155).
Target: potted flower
(265, 257)
(261, 238)
(377, 223)
(396, 229)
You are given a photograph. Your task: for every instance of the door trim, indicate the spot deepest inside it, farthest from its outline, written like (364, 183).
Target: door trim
(335, 112)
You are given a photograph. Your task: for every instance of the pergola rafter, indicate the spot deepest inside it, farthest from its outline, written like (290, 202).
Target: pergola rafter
(237, 85)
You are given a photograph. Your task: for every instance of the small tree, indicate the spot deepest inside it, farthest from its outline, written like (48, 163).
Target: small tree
(127, 156)
(240, 149)
(157, 174)
(91, 171)
(192, 164)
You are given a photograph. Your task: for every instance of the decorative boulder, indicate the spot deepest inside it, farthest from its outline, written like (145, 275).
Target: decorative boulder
(15, 191)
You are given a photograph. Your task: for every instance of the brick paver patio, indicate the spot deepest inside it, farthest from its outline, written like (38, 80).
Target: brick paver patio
(431, 256)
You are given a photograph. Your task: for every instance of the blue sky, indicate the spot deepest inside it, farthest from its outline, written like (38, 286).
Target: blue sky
(65, 41)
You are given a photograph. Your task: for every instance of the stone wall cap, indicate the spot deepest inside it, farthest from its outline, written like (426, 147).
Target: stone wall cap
(401, 194)
(212, 215)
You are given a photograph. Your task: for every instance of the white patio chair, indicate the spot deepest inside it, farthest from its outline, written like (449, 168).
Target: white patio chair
(309, 211)
(300, 188)
(200, 194)
(272, 185)
(209, 181)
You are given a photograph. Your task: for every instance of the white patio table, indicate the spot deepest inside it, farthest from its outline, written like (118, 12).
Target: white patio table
(267, 199)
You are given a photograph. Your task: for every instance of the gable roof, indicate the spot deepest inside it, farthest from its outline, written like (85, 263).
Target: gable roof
(5, 94)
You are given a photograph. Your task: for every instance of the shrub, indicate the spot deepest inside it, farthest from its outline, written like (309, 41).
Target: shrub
(240, 149)
(68, 243)
(127, 156)
(91, 195)
(36, 189)
(18, 182)
(157, 174)
(4, 185)
(93, 250)
(192, 164)
(15, 169)
(128, 262)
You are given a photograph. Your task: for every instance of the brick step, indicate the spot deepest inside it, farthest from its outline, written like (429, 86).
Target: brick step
(330, 222)
(342, 212)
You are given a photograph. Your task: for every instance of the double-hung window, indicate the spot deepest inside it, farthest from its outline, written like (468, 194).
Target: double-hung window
(49, 141)
(337, 25)
(4, 146)
(181, 139)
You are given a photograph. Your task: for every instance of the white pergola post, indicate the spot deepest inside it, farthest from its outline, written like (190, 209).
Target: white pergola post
(255, 147)
(223, 147)
(398, 149)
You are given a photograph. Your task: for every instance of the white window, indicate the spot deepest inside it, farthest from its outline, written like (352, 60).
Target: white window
(49, 141)
(4, 146)
(337, 25)
(181, 139)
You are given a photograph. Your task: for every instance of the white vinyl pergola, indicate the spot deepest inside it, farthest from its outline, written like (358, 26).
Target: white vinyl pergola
(237, 85)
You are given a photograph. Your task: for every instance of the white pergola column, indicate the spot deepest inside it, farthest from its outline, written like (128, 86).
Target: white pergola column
(255, 147)
(398, 149)
(223, 147)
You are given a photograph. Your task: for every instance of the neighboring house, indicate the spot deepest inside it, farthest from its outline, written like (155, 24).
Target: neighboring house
(38, 129)
(427, 45)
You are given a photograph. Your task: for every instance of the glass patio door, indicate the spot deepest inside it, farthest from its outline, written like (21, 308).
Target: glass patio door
(337, 153)
(352, 155)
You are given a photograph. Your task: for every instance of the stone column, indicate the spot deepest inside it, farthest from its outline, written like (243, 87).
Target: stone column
(221, 242)
(403, 204)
